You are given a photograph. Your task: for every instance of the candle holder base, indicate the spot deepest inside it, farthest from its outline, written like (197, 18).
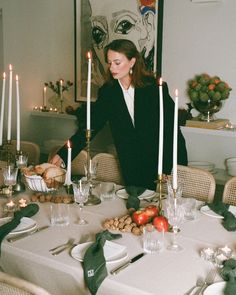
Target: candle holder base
(92, 200)
(19, 187)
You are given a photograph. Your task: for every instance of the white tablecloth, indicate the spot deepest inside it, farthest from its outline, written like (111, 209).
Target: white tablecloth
(166, 273)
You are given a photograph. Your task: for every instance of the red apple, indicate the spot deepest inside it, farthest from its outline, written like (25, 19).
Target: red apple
(140, 217)
(161, 223)
(151, 211)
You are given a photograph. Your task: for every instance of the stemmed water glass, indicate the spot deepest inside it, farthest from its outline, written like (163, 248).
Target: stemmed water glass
(175, 215)
(81, 193)
(10, 176)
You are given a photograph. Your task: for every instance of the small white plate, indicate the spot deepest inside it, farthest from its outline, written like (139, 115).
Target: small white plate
(112, 252)
(207, 211)
(215, 289)
(148, 194)
(26, 224)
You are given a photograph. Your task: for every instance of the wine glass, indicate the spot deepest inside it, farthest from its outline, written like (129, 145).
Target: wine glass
(175, 215)
(81, 193)
(10, 176)
(91, 171)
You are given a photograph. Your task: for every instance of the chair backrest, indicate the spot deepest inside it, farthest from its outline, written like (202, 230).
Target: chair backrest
(229, 193)
(10, 285)
(77, 165)
(197, 183)
(31, 148)
(108, 168)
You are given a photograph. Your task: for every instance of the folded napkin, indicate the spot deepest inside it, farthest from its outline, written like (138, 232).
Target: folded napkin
(228, 273)
(27, 211)
(229, 221)
(94, 263)
(133, 200)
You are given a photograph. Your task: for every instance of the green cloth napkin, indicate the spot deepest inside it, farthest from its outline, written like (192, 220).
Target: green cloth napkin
(228, 273)
(133, 200)
(27, 211)
(229, 221)
(94, 263)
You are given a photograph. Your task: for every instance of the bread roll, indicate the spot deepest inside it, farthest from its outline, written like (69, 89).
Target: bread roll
(40, 169)
(55, 173)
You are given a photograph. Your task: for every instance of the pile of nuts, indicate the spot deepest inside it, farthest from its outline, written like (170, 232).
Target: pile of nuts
(123, 224)
(42, 198)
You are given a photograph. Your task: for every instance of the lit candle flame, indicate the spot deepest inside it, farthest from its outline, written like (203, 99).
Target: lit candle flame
(4, 75)
(176, 92)
(89, 54)
(68, 144)
(17, 78)
(10, 67)
(160, 81)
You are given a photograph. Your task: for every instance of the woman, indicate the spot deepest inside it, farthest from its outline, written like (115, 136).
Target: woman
(129, 101)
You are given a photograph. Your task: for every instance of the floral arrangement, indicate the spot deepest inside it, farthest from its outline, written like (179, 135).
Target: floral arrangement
(204, 88)
(59, 86)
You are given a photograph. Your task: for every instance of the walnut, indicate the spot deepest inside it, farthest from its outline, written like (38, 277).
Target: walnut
(136, 231)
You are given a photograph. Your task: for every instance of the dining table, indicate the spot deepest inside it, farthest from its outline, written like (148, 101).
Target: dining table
(164, 273)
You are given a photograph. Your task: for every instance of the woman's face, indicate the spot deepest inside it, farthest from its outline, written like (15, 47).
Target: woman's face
(121, 20)
(119, 65)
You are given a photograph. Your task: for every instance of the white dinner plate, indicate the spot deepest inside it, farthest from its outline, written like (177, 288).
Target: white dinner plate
(26, 224)
(112, 252)
(148, 194)
(215, 289)
(207, 211)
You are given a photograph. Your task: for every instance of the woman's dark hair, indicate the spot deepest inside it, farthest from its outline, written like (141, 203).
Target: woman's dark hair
(140, 76)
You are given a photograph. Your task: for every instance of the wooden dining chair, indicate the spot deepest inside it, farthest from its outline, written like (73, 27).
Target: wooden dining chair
(108, 168)
(31, 148)
(197, 183)
(229, 192)
(10, 285)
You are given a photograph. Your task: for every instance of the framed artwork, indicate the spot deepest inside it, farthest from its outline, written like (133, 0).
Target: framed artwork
(97, 23)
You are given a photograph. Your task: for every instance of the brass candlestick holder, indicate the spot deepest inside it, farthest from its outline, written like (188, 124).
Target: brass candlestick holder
(92, 199)
(160, 183)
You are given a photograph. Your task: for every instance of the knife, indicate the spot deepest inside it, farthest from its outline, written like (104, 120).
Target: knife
(132, 260)
(18, 237)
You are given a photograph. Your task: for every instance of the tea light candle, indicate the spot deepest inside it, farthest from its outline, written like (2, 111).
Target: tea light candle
(10, 206)
(226, 251)
(208, 254)
(22, 203)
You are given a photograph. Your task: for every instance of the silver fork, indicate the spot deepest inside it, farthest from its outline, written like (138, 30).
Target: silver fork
(63, 248)
(208, 281)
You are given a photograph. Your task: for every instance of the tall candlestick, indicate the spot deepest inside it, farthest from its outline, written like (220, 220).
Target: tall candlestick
(45, 96)
(160, 154)
(9, 105)
(175, 141)
(68, 170)
(89, 89)
(17, 115)
(2, 107)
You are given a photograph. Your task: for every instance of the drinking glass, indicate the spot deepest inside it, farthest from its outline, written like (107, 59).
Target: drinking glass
(91, 171)
(175, 215)
(21, 162)
(10, 176)
(81, 193)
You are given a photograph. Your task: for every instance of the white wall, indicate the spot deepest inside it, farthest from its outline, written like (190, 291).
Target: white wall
(39, 43)
(200, 38)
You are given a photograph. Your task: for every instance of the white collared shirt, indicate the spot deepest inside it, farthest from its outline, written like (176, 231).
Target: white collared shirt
(129, 99)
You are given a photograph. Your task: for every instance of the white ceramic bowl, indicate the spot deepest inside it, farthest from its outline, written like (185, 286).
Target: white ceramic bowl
(37, 183)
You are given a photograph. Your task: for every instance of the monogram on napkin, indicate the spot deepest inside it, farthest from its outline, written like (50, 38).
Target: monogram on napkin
(94, 263)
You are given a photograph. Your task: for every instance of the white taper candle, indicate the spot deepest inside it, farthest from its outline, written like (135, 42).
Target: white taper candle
(2, 108)
(89, 55)
(17, 115)
(9, 104)
(175, 141)
(160, 153)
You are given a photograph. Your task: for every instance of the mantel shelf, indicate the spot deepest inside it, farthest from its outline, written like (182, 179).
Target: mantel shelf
(52, 115)
(222, 132)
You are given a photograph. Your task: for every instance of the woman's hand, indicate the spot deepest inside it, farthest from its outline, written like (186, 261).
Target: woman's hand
(57, 160)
